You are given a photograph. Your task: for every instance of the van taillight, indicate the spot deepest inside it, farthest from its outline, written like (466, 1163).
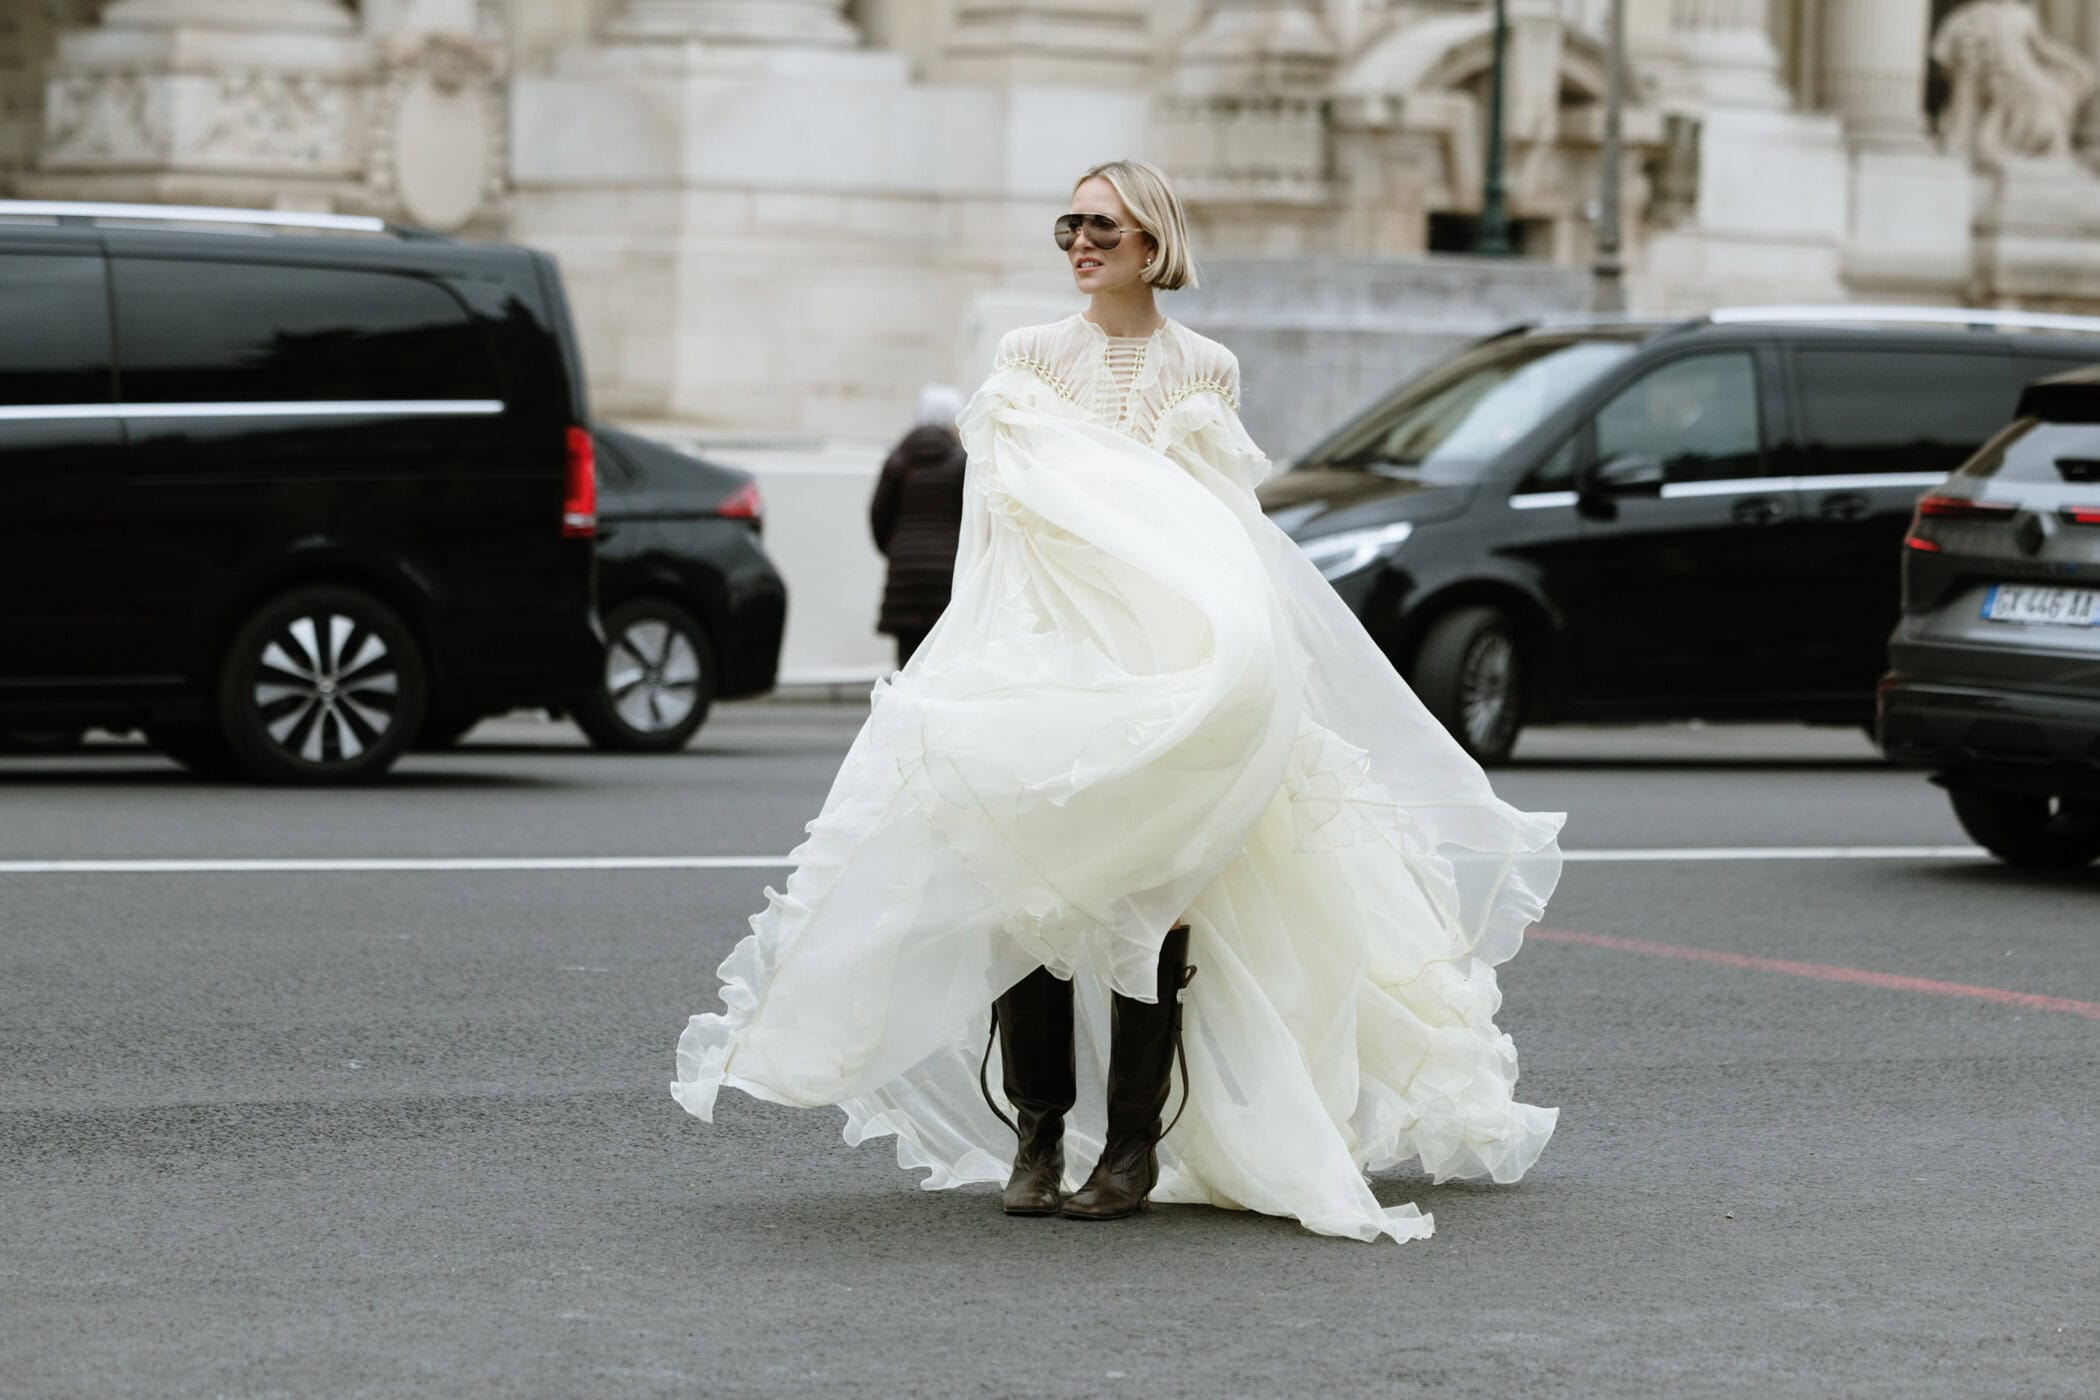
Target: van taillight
(1956, 508)
(579, 502)
(2082, 515)
(742, 503)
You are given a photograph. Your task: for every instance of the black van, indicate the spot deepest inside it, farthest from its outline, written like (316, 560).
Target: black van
(1607, 520)
(280, 484)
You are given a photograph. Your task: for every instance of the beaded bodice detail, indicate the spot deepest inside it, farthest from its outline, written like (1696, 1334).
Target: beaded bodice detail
(1125, 358)
(1125, 383)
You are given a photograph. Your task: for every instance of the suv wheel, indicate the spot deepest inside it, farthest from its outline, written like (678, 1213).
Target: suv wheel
(322, 685)
(659, 680)
(2026, 829)
(1470, 673)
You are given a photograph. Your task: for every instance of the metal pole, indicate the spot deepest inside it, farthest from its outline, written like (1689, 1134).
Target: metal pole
(1493, 237)
(1608, 292)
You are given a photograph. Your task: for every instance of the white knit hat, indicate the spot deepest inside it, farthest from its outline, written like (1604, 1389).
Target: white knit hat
(938, 406)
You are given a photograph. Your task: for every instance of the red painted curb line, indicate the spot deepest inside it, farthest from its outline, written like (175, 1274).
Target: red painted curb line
(1822, 972)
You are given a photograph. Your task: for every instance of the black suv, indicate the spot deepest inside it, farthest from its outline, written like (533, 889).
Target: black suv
(275, 498)
(1629, 520)
(1994, 679)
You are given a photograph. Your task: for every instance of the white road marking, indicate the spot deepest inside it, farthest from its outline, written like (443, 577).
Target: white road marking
(471, 864)
(387, 863)
(1662, 853)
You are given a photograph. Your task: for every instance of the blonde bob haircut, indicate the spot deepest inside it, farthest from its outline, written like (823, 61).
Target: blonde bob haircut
(1149, 195)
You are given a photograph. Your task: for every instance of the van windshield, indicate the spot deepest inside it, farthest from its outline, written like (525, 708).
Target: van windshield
(1452, 421)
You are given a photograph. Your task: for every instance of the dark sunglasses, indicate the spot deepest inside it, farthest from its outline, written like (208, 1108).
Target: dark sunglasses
(1101, 231)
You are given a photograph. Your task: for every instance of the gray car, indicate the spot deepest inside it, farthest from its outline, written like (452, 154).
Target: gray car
(1994, 679)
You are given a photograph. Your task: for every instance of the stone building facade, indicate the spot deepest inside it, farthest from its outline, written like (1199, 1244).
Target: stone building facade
(777, 217)
(777, 214)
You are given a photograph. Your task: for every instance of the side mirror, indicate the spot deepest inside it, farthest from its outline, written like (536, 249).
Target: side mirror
(1629, 474)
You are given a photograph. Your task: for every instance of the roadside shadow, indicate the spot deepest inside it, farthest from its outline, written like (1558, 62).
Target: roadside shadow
(152, 774)
(1701, 764)
(1996, 875)
(513, 749)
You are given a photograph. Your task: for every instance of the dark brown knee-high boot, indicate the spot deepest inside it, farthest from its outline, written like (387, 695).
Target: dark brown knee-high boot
(1034, 1022)
(1143, 1039)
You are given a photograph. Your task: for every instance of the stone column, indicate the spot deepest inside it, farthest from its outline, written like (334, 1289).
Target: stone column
(1075, 43)
(1874, 60)
(1245, 120)
(1727, 46)
(799, 23)
(279, 16)
(2089, 41)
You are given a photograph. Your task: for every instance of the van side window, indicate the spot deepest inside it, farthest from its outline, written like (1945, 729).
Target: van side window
(1697, 416)
(213, 332)
(1881, 410)
(54, 331)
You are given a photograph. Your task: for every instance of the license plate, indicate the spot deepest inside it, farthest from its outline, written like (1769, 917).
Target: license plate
(2050, 607)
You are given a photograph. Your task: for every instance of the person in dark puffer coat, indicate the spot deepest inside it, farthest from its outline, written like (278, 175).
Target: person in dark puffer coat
(916, 516)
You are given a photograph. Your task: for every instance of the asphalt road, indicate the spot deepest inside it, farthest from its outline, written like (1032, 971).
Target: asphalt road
(1828, 1124)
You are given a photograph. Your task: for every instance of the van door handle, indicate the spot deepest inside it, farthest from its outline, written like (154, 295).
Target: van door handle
(1843, 505)
(1758, 510)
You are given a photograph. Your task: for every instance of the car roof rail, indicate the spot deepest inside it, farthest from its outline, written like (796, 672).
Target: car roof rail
(295, 220)
(1580, 320)
(1967, 318)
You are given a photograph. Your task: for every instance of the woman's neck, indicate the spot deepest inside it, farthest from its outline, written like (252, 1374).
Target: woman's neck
(1127, 311)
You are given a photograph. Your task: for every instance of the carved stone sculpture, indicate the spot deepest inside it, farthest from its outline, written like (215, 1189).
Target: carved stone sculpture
(2016, 90)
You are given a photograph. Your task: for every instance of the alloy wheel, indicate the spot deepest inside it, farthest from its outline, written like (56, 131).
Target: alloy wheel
(652, 675)
(327, 687)
(1488, 691)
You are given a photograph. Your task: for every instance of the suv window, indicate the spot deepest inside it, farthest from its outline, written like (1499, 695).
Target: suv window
(213, 332)
(1697, 416)
(54, 337)
(1869, 410)
(2051, 453)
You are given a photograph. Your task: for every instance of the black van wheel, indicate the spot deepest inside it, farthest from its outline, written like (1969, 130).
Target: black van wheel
(659, 680)
(321, 685)
(2028, 829)
(1469, 671)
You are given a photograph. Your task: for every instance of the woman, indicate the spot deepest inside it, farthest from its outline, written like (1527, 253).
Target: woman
(916, 516)
(1144, 734)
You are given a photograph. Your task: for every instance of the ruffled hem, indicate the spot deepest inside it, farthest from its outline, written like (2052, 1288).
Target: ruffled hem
(1140, 704)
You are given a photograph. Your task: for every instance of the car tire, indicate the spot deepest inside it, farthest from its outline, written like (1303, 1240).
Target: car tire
(2028, 829)
(1470, 672)
(321, 685)
(659, 680)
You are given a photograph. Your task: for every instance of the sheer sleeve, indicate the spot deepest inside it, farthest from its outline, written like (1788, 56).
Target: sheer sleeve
(1201, 429)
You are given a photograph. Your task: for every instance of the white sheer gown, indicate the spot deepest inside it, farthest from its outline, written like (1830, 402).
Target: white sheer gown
(1143, 701)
